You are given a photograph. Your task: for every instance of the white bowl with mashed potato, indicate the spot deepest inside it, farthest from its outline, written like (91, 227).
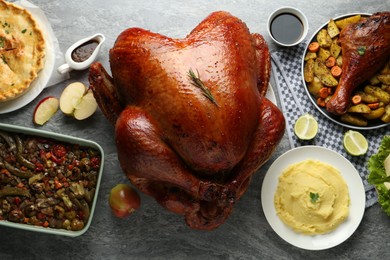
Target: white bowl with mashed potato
(316, 200)
(312, 197)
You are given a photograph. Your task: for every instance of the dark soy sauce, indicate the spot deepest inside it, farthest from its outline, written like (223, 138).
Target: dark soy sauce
(286, 28)
(84, 51)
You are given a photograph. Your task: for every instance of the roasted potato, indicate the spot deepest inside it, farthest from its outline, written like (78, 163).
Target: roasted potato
(323, 54)
(323, 73)
(344, 22)
(335, 50)
(324, 39)
(386, 88)
(354, 120)
(384, 78)
(382, 95)
(339, 61)
(308, 71)
(367, 98)
(315, 86)
(359, 108)
(374, 80)
(332, 29)
(310, 55)
(386, 116)
(375, 113)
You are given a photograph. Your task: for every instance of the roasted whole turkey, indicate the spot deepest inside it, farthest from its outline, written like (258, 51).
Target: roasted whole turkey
(192, 123)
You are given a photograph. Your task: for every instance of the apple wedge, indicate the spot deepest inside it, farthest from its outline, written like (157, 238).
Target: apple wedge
(45, 109)
(86, 107)
(71, 96)
(77, 101)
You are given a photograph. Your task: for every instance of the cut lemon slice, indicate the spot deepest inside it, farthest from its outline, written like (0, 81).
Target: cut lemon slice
(355, 143)
(306, 127)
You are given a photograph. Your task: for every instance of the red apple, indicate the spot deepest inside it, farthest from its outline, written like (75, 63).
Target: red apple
(76, 100)
(45, 109)
(124, 200)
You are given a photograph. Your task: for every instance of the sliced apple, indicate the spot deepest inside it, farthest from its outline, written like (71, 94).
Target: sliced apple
(86, 107)
(71, 97)
(45, 109)
(78, 101)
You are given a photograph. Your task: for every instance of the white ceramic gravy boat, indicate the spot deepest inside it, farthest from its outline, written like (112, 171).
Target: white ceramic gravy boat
(73, 65)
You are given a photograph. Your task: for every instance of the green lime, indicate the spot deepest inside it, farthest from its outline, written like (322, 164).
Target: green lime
(355, 143)
(306, 127)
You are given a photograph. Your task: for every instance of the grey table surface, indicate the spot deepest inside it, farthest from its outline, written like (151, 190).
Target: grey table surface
(152, 232)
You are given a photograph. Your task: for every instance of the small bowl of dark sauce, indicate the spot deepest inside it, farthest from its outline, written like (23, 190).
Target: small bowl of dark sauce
(82, 53)
(287, 26)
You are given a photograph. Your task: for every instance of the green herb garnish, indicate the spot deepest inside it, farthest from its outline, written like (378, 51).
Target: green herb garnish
(314, 197)
(361, 50)
(197, 82)
(24, 30)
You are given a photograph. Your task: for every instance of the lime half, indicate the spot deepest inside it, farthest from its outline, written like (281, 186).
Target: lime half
(306, 127)
(355, 143)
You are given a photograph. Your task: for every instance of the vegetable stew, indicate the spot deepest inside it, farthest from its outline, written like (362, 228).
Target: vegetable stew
(45, 182)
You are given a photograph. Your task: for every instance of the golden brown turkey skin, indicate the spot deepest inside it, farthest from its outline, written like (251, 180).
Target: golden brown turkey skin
(194, 156)
(372, 36)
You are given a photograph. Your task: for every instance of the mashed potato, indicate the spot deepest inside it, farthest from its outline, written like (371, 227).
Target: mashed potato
(312, 197)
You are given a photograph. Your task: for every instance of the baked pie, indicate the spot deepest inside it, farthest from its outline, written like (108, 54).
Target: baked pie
(22, 50)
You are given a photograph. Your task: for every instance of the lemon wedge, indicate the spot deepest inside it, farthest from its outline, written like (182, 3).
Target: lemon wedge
(355, 143)
(306, 127)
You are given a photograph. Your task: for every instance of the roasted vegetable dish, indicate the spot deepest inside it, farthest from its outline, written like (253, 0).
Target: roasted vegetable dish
(323, 71)
(45, 182)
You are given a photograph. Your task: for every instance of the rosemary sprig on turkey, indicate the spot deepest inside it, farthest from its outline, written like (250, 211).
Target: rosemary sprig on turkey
(197, 82)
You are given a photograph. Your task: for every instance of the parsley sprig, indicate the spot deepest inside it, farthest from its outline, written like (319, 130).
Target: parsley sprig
(314, 197)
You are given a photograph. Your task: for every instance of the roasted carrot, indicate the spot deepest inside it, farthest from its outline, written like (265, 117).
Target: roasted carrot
(356, 99)
(336, 71)
(323, 93)
(321, 102)
(314, 46)
(330, 62)
(373, 105)
(6, 172)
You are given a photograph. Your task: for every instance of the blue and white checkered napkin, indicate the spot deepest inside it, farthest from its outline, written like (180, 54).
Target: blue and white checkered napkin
(286, 69)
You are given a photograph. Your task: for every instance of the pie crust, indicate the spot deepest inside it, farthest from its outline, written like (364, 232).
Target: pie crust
(22, 50)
